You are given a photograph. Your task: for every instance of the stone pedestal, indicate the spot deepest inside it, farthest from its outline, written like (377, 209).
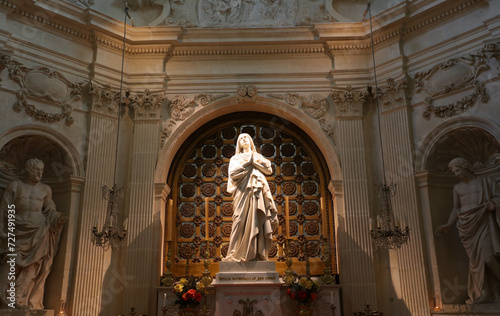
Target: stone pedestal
(248, 286)
(473, 309)
(27, 312)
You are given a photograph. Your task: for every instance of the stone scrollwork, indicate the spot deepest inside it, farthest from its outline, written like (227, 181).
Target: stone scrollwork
(42, 84)
(182, 107)
(392, 95)
(453, 75)
(349, 102)
(314, 105)
(146, 105)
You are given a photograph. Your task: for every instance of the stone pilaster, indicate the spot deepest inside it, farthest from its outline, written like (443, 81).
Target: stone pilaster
(92, 262)
(355, 245)
(398, 161)
(143, 252)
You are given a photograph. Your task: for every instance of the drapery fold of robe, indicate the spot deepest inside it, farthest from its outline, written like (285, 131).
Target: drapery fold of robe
(254, 210)
(36, 243)
(479, 232)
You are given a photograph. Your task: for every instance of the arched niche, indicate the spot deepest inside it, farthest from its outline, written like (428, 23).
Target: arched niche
(63, 172)
(198, 173)
(477, 141)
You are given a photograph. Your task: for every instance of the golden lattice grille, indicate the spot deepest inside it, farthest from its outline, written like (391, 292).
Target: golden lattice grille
(204, 179)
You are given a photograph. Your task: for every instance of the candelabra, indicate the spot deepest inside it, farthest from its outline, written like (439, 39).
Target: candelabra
(290, 275)
(368, 312)
(327, 276)
(110, 235)
(168, 278)
(388, 233)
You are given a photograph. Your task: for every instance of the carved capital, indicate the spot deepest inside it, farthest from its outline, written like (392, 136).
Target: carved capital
(348, 102)
(41, 85)
(146, 105)
(103, 99)
(392, 95)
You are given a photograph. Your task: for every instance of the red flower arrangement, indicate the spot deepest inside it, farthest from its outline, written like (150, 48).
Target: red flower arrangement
(304, 291)
(189, 292)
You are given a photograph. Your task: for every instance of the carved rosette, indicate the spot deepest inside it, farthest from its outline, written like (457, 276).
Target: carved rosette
(349, 102)
(392, 95)
(146, 105)
(39, 85)
(453, 75)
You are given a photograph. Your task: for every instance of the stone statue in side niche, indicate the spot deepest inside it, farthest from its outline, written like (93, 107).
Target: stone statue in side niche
(476, 212)
(255, 215)
(27, 252)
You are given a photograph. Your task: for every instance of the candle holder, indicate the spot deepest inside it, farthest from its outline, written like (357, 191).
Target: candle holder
(168, 278)
(327, 277)
(332, 307)
(206, 279)
(290, 275)
(132, 311)
(305, 252)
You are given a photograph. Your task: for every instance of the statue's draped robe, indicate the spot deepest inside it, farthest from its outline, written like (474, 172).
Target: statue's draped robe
(479, 232)
(36, 242)
(254, 209)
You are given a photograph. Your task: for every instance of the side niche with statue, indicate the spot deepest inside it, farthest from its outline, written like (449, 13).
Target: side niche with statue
(31, 227)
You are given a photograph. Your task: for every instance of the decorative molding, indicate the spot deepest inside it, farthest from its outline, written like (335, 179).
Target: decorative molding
(82, 3)
(103, 99)
(246, 94)
(393, 94)
(249, 51)
(313, 105)
(182, 107)
(42, 84)
(459, 106)
(453, 75)
(146, 105)
(349, 102)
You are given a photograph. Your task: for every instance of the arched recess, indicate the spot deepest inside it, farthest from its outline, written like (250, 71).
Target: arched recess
(478, 140)
(199, 175)
(63, 172)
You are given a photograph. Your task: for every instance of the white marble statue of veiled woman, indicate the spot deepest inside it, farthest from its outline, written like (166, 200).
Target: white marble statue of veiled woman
(255, 215)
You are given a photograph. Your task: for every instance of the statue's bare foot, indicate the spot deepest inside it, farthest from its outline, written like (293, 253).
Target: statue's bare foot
(19, 306)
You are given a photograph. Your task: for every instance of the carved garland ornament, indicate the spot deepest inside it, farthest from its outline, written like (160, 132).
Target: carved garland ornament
(313, 105)
(41, 84)
(456, 74)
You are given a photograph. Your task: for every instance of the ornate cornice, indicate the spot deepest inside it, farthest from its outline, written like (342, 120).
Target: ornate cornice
(392, 95)
(453, 75)
(348, 102)
(41, 84)
(146, 105)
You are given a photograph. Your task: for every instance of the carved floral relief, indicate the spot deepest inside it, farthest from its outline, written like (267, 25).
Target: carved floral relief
(453, 75)
(40, 84)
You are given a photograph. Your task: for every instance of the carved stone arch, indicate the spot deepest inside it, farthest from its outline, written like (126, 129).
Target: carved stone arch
(231, 105)
(439, 135)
